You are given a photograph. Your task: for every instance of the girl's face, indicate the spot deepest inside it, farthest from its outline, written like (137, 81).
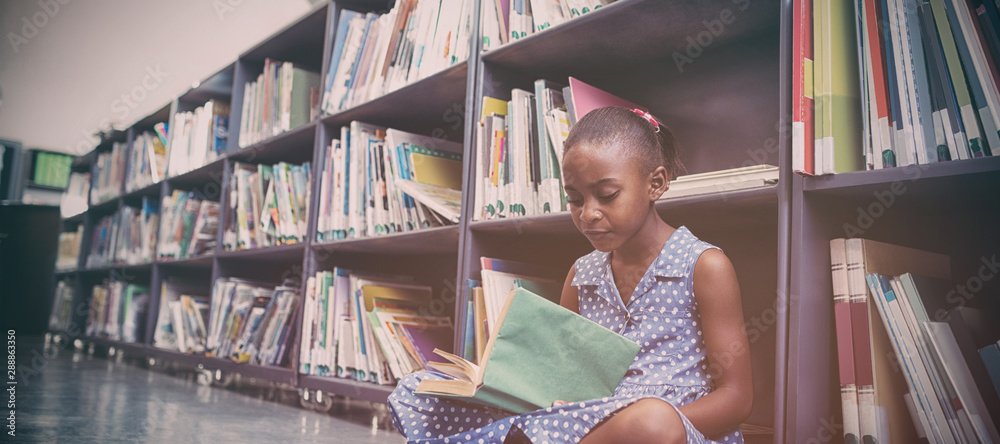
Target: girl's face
(608, 194)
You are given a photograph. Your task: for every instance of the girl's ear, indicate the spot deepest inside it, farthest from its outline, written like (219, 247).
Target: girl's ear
(659, 183)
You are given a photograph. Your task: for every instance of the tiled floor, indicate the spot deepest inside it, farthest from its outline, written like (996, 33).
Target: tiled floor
(78, 398)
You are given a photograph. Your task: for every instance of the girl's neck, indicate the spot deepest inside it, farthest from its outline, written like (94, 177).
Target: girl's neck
(642, 248)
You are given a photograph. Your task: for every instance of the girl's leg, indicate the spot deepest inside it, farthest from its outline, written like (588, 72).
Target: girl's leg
(429, 417)
(648, 420)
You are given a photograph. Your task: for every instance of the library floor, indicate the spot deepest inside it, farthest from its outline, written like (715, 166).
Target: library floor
(89, 399)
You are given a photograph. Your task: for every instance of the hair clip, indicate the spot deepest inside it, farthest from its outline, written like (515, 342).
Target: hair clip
(649, 117)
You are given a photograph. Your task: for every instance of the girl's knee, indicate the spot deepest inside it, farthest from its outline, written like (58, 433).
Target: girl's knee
(655, 421)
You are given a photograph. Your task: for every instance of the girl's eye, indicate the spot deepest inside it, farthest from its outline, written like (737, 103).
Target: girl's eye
(609, 197)
(574, 200)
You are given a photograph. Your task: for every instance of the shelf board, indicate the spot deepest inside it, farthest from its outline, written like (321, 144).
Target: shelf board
(203, 261)
(38, 186)
(208, 173)
(218, 86)
(301, 42)
(277, 253)
(127, 347)
(347, 387)
(96, 270)
(420, 107)
(602, 35)
(758, 205)
(295, 145)
(81, 164)
(428, 241)
(76, 218)
(146, 123)
(107, 206)
(273, 374)
(65, 272)
(959, 182)
(148, 190)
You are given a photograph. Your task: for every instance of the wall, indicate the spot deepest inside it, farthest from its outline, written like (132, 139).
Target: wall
(70, 67)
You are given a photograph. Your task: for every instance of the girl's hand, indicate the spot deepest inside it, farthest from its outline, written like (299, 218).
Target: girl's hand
(558, 403)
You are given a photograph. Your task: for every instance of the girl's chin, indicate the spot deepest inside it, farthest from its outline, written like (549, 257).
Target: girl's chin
(604, 243)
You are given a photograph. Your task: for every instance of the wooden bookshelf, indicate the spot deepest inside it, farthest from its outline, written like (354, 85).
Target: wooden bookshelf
(727, 107)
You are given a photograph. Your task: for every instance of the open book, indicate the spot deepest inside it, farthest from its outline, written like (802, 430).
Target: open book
(540, 353)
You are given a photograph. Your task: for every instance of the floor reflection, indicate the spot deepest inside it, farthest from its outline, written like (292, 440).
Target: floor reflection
(67, 395)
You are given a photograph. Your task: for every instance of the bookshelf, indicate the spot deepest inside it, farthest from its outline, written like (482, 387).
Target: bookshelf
(728, 106)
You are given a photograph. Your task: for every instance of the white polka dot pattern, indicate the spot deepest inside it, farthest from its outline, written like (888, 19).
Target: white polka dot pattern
(661, 316)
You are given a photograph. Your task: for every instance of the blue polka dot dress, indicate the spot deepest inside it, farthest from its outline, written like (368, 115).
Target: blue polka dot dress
(661, 315)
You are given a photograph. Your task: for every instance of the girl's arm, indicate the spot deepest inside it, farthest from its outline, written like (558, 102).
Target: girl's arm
(717, 293)
(569, 298)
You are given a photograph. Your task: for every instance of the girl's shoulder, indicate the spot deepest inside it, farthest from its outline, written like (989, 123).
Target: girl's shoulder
(677, 258)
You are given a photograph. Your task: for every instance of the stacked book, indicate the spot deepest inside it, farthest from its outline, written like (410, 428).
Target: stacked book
(118, 311)
(251, 323)
(375, 54)
(376, 181)
(370, 328)
(189, 228)
(508, 20)
(62, 306)
(895, 314)
(894, 83)
(268, 205)
(147, 159)
(519, 149)
(126, 237)
(182, 317)
(69, 249)
(137, 233)
(74, 199)
(108, 174)
(282, 98)
(197, 137)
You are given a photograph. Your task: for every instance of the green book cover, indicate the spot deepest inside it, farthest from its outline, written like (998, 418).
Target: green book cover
(540, 353)
(844, 101)
(820, 92)
(298, 106)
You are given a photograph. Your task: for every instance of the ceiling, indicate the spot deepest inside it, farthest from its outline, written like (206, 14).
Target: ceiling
(69, 68)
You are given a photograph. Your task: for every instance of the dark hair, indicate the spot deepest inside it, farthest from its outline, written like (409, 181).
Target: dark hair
(631, 132)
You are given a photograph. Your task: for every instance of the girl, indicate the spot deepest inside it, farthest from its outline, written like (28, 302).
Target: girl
(657, 285)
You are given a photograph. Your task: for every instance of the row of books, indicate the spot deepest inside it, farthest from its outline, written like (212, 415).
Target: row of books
(190, 225)
(76, 197)
(69, 249)
(197, 137)
(147, 159)
(252, 322)
(62, 306)
(126, 237)
(508, 20)
(369, 327)
(268, 205)
(894, 83)
(283, 97)
(894, 316)
(519, 146)
(108, 174)
(375, 54)
(242, 321)
(118, 311)
(376, 181)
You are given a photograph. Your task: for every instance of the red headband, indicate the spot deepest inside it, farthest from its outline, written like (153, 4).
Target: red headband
(649, 117)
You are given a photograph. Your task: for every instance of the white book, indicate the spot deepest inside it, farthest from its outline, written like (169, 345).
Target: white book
(904, 146)
(946, 347)
(723, 180)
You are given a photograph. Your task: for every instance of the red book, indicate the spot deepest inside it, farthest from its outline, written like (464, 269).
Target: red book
(803, 129)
